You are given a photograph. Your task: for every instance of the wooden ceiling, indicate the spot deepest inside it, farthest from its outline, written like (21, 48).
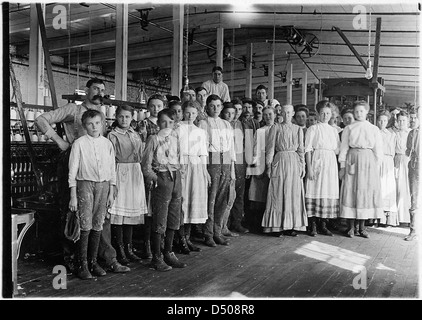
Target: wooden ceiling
(90, 39)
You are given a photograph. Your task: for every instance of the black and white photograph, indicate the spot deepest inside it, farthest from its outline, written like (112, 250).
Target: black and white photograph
(211, 151)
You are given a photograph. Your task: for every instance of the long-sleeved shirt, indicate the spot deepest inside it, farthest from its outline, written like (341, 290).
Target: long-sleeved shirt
(389, 140)
(127, 144)
(70, 115)
(413, 147)
(361, 135)
(193, 143)
(220, 89)
(219, 136)
(162, 153)
(285, 137)
(243, 142)
(92, 159)
(401, 141)
(322, 136)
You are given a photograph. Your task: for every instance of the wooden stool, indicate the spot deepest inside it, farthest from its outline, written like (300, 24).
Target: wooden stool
(19, 216)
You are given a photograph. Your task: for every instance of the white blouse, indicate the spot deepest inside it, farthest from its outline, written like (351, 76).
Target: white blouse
(322, 136)
(389, 142)
(360, 135)
(193, 141)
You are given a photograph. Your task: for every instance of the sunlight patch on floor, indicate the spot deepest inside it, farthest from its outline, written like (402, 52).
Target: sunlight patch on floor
(381, 266)
(396, 230)
(334, 255)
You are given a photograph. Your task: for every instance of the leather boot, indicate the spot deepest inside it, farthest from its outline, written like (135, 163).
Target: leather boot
(120, 251)
(209, 241)
(83, 270)
(93, 244)
(219, 240)
(158, 263)
(146, 250)
(351, 231)
(118, 268)
(171, 260)
(96, 269)
(191, 246)
(130, 254)
(183, 246)
(239, 228)
(227, 233)
(121, 256)
(362, 229)
(356, 224)
(324, 229)
(313, 232)
(82, 247)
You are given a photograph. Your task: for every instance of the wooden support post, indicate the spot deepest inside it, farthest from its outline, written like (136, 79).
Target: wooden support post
(377, 51)
(177, 55)
(375, 105)
(121, 51)
(289, 83)
(220, 47)
(316, 98)
(304, 87)
(35, 93)
(43, 32)
(249, 54)
(320, 91)
(270, 92)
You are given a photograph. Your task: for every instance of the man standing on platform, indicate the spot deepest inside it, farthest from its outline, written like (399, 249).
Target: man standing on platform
(216, 85)
(70, 115)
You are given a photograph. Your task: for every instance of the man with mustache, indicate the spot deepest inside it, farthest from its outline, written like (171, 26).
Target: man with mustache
(70, 115)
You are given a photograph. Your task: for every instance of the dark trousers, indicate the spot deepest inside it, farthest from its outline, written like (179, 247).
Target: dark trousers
(414, 191)
(255, 215)
(217, 197)
(237, 212)
(167, 202)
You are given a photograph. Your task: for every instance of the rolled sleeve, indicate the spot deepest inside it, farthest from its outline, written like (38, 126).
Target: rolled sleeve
(62, 114)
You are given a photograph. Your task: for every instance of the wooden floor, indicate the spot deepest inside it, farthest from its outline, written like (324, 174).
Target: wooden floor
(257, 266)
